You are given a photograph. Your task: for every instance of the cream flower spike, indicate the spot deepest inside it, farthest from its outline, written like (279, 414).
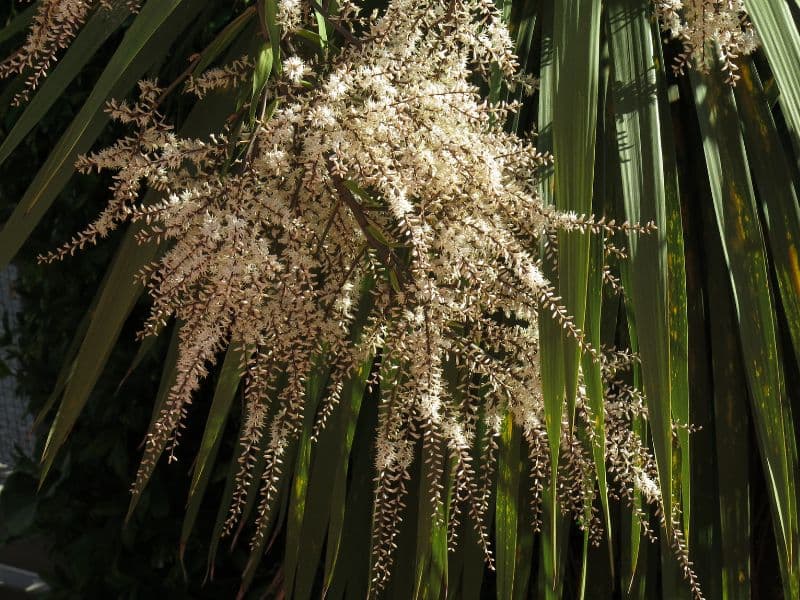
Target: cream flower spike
(720, 26)
(55, 25)
(379, 213)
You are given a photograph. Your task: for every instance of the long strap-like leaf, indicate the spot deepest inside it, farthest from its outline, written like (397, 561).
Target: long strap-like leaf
(781, 42)
(743, 244)
(227, 384)
(777, 193)
(731, 427)
(644, 196)
(567, 122)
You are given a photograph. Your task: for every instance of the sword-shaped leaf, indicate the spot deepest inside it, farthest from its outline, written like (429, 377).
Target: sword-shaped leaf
(731, 427)
(224, 393)
(781, 42)
(743, 244)
(509, 467)
(641, 163)
(777, 192)
(327, 484)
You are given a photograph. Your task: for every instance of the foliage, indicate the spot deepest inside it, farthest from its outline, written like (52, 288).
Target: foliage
(621, 147)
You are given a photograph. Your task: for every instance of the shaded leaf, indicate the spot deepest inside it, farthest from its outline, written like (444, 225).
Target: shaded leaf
(743, 245)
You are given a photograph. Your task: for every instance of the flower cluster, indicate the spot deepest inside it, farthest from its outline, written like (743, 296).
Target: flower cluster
(227, 77)
(697, 24)
(381, 213)
(55, 24)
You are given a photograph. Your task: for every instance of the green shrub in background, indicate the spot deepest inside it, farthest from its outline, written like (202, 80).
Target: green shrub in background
(711, 305)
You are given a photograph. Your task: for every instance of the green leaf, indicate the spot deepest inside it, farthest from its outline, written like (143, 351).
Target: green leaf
(677, 295)
(604, 191)
(523, 25)
(430, 566)
(550, 356)
(315, 39)
(225, 501)
(436, 581)
(777, 192)
(525, 541)
(633, 553)
(731, 425)
(347, 570)
(743, 245)
(306, 539)
(550, 581)
(407, 560)
(781, 42)
(509, 466)
(268, 10)
(576, 44)
(322, 24)
(641, 164)
(252, 492)
(584, 566)
(327, 485)
(227, 384)
(224, 39)
(468, 577)
(90, 38)
(261, 73)
(595, 389)
(315, 387)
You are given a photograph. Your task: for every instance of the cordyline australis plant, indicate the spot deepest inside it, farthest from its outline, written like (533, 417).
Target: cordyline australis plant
(372, 207)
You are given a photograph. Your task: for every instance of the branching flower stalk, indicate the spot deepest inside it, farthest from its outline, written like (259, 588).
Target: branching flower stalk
(702, 26)
(375, 206)
(55, 25)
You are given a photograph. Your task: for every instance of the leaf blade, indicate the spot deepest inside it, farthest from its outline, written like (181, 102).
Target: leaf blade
(644, 195)
(781, 42)
(743, 246)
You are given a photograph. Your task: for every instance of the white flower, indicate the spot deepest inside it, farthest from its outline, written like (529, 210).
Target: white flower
(294, 68)
(335, 87)
(289, 14)
(700, 23)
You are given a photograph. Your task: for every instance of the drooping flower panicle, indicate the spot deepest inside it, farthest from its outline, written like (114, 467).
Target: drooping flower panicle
(702, 26)
(55, 24)
(375, 210)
